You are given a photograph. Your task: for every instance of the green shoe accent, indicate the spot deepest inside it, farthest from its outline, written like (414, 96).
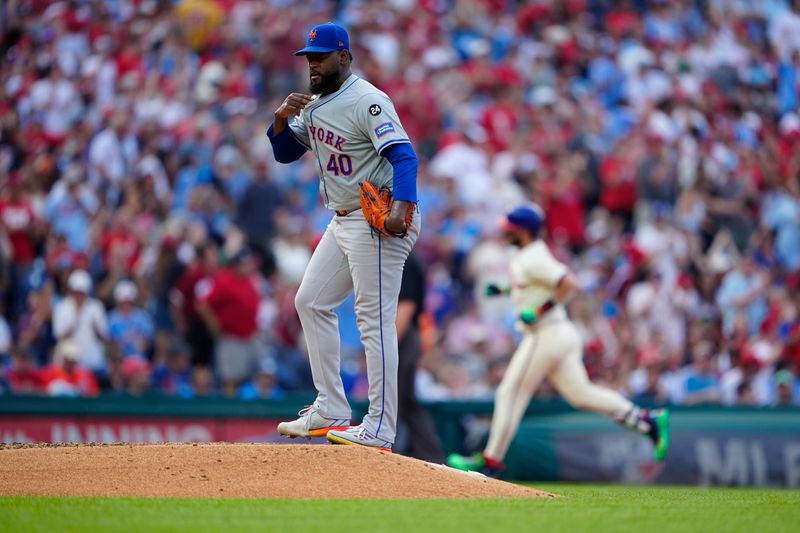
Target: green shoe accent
(662, 445)
(466, 462)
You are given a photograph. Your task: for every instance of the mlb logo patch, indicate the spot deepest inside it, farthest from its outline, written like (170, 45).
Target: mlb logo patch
(383, 129)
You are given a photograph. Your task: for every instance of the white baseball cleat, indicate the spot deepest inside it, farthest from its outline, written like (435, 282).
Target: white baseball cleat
(359, 436)
(311, 424)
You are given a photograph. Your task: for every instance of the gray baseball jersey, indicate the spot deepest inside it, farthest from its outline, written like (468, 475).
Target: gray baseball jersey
(347, 130)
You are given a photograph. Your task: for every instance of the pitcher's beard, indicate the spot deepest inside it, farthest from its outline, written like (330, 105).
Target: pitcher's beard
(326, 85)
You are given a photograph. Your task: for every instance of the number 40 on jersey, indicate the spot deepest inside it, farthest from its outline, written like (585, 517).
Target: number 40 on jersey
(340, 164)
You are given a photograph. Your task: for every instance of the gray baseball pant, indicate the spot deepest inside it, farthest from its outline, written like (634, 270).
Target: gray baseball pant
(351, 257)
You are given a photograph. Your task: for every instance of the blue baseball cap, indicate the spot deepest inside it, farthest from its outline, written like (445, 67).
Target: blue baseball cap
(529, 217)
(325, 38)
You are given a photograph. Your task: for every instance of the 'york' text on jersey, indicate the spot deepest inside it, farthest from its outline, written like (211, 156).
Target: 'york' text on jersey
(327, 137)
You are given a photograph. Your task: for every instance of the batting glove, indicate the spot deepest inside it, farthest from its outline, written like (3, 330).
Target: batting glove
(528, 316)
(493, 289)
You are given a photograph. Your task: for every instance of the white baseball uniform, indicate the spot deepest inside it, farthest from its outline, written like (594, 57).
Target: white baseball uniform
(346, 131)
(551, 348)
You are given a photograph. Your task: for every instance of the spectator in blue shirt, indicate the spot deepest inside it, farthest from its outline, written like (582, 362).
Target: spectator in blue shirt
(130, 327)
(702, 384)
(69, 206)
(786, 388)
(173, 375)
(781, 214)
(742, 291)
(264, 385)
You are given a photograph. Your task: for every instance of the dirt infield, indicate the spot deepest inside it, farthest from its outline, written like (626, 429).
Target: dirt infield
(236, 471)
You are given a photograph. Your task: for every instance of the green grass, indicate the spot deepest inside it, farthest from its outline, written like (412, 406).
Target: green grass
(582, 508)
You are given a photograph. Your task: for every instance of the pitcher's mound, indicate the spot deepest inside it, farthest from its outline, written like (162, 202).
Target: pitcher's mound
(236, 470)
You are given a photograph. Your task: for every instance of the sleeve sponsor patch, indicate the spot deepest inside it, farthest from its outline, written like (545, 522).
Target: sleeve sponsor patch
(383, 129)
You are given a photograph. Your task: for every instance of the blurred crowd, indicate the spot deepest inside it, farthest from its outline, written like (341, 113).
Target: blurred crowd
(149, 242)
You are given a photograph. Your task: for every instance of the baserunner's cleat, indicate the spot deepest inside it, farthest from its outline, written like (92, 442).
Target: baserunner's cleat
(659, 420)
(476, 462)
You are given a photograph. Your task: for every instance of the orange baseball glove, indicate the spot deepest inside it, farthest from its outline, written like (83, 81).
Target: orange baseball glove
(376, 206)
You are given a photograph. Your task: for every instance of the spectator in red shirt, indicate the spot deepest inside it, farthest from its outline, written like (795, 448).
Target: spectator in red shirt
(60, 257)
(566, 208)
(136, 372)
(791, 351)
(18, 222)
(235, 84)
(120, 244)
(229, 305)
(500, 120)
(622, 20)
(129, 60)
(619, 185)
(64, 377)
(183, 298)
(23, 376)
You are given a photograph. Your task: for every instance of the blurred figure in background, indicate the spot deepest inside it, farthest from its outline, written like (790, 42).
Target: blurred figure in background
(173, 376)
(202, 382)
(264, 385)
(184, 296)
(228, 303)
(701, 384)
(787, 390)
(35, 327)
(129, 326)
(83, 319)
(66, 376)
(23, 376)
(258, 207)
(417, 434)
(742, 293)
(19, 224)
(551, 349)
(136, 372)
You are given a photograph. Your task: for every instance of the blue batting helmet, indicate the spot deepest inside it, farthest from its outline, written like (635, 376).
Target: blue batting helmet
(529, 217)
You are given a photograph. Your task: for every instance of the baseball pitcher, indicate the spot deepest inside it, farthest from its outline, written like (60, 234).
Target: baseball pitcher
(551, 348)
(368, 172)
